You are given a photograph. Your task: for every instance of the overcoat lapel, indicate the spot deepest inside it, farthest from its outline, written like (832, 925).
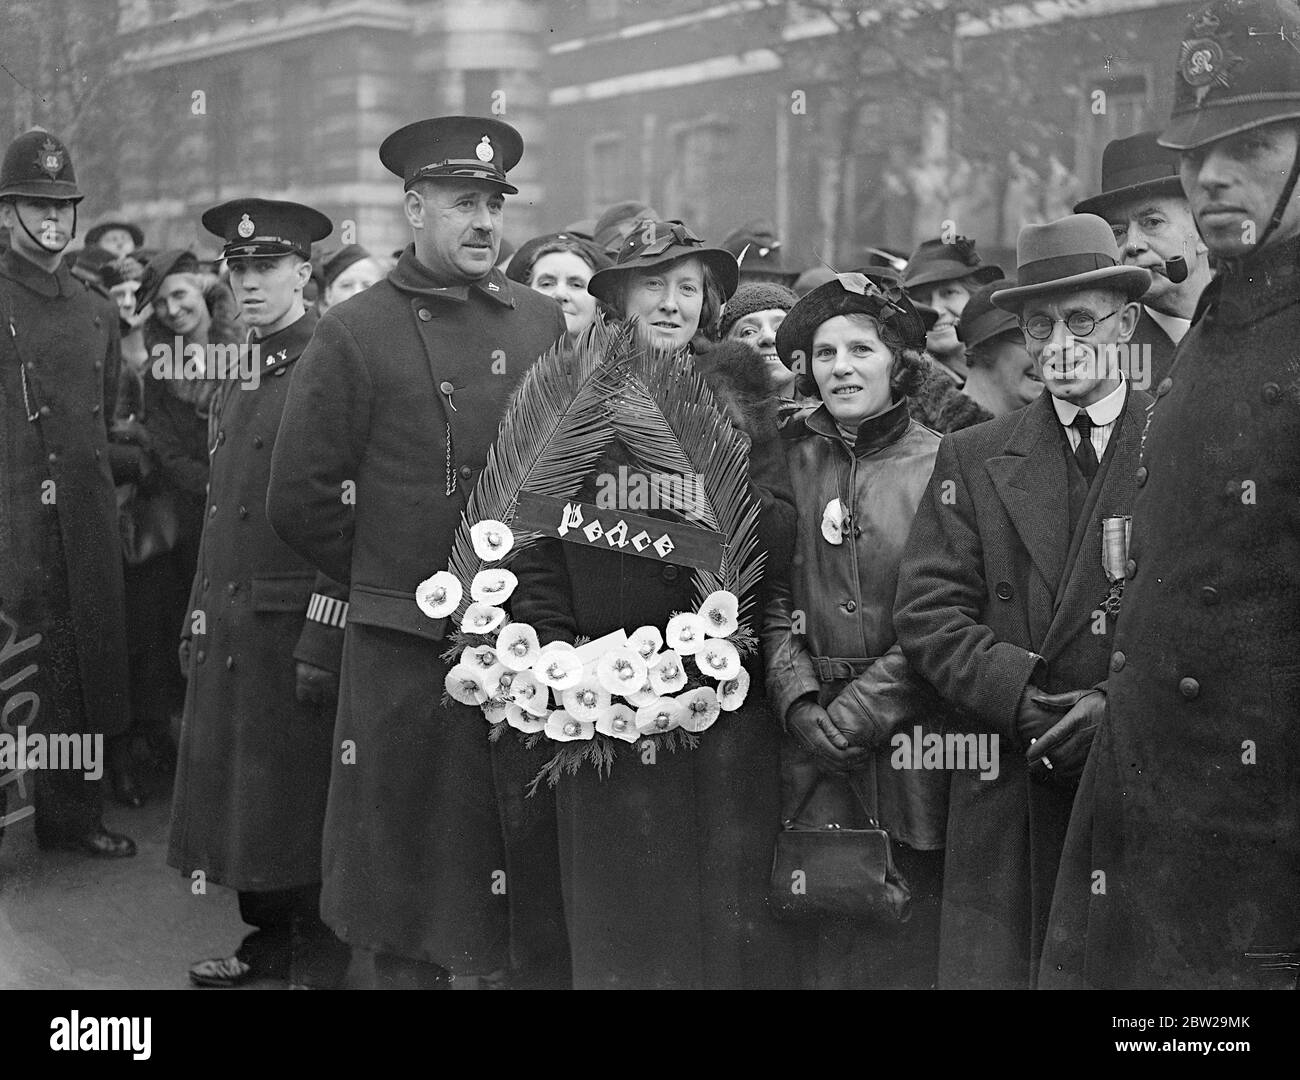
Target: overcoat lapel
(1029, 477)
(1086, 586)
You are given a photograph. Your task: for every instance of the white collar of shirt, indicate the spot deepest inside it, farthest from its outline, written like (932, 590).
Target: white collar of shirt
(1170, 324)
(1103, 412)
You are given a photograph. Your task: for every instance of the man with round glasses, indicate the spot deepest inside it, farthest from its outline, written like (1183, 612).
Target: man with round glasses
(1006, 604)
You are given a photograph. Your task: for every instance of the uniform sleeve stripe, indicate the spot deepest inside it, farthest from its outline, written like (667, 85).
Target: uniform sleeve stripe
(328, 610)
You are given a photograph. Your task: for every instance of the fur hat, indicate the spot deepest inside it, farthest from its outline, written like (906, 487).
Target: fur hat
(755, 296)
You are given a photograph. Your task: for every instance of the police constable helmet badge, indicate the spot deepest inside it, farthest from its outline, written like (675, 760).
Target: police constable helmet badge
(246, 228)
(51, 158)
(1200, 62)
(484, 149)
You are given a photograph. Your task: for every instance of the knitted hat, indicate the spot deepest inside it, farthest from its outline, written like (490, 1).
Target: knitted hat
(755, 296)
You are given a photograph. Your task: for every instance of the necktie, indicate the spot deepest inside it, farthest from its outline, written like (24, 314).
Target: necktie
(1085, 454)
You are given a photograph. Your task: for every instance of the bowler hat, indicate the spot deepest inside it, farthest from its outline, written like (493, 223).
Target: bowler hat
(1133, 168)
(37, 165)
(266, 228)
(981, 320)
(656, 243)
(848, 294)
(1238, 68)
(454, 147)
(1074, 252)
(939, 260)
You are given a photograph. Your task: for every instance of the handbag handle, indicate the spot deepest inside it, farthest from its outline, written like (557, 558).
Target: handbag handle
(872, 812)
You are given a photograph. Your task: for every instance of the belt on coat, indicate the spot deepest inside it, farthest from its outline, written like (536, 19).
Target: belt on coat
(830, 668)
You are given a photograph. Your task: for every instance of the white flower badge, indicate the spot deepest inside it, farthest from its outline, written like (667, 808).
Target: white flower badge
(685, 633)
(731, 694)
(662, 714)
(465, 684)
(619, 722)
(482, 618)
(702, 708)
(557, 666)
(517, 646)
(492, 586)
(565, 727)
(669, 675)
(833, 522)
(720, 612)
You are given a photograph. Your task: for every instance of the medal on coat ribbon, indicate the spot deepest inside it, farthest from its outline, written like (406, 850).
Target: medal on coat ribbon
(1115, 533)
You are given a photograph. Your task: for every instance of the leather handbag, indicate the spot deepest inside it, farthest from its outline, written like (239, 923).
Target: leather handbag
(149, 523)
(833, 872)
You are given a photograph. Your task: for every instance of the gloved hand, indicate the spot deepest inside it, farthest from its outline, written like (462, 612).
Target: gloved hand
(813, 727)
(1066, 744)
(316, 686)
(183, 655)
(1034, 717)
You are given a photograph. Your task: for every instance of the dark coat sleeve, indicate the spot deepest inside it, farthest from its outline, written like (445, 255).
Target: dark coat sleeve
(544, 596)
(940, 603)
(321, 641)
(318, 450)
(172, 451)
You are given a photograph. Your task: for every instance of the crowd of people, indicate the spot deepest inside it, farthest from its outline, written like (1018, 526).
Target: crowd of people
(1025, 595)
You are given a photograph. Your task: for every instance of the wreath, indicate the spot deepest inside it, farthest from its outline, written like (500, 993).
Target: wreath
(665, 684)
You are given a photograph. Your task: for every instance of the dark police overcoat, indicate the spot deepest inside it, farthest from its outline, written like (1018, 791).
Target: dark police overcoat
(60, 558)
(413, 849)
(254, 763)
(1190, 805)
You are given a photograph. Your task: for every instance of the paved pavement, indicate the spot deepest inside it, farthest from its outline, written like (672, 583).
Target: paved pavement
(69, 922)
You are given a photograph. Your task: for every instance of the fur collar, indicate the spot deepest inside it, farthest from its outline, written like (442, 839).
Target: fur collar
(741, 385)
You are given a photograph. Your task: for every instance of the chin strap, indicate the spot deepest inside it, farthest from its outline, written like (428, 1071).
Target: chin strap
(1280, 209)
(40, 243)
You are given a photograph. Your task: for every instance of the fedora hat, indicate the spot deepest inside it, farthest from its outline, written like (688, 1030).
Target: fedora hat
(936, 260)
(1074, 252)
(656, 243)
(1133, 168)
(981, 320)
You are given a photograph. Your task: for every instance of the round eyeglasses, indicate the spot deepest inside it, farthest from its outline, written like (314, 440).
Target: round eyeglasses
(1079, 323)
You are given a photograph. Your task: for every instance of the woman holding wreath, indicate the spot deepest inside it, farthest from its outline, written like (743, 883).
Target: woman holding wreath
(664, 862)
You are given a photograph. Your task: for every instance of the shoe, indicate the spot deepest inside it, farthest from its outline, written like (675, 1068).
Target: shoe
(97, 842)
(227, 972)
(127, 789)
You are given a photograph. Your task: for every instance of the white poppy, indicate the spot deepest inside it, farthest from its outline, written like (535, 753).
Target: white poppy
(497, 711)
(491, 539)
(701, 707)
(565, 727)
(525, 721)
(718, 659)
(646, 642)
(465, 684)
(662, 714)
(517, 646)
(527, 692)
(480, 657)
(492, 586)
(585, 700)
(619, 722)
(669, 675)
(557, 667)
(482, 618)
(720, 612)
(621, 671)
(685, 633)
(732, 693)
(439, 595)
(833, 522)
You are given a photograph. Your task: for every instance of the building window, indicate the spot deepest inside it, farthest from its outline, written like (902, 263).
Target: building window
(226, 112)
(700, 152)
(604, 172)
(294, 119)
(1116, 109)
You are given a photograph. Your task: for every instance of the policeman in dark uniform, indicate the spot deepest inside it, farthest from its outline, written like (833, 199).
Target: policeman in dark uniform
(1183, 856)
(262, 643)
(390, 416)
(60, 559)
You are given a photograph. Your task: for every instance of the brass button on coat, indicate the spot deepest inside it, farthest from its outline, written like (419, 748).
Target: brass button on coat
(1117, 661)
(1189, 688)
(1003, 591)
(425, 314)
